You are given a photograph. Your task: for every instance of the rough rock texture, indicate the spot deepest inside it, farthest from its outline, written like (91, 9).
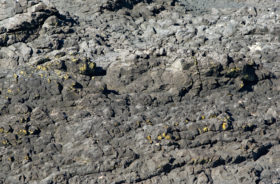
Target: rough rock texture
(139, 91)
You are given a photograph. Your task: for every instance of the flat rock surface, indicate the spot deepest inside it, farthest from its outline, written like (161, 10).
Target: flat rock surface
(139, 91)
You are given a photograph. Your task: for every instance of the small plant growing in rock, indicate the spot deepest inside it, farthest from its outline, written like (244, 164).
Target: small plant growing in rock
(224, 125)
(159, 137)
(9, 91)
(83, 68)
(22, 132)
(205, 129)
(168, 137)
(149, 138)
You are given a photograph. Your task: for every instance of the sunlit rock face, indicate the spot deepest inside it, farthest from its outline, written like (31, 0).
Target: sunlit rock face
(139, 91)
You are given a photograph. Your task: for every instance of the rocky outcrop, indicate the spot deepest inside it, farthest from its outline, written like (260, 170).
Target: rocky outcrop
(139, 91)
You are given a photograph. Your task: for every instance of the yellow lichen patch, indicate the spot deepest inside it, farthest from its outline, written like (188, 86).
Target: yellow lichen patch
(22, 120)
(163, 134)
(27, 157)
(1, 130)
(74, 60)
(168, 137)
(9, 91)
(149, 138)
(5, 142)
(92, 78)
(11, 159)
(138, 123)
(241, 85)
(32, 131)
(232, 72)
(91, 65)
(187, 121)
(224, 125)
(49, 80)
(83, 68)
(66, 76)
(39, 67)
(159, 137)
(41, 75)
(195, 60)
(235, 69)
(244, 126)
(73, 85)
(58, 72)
(202, 117)
(22, 72)
(22, 132)
(176, 124)
(15, 76)
(205, 129)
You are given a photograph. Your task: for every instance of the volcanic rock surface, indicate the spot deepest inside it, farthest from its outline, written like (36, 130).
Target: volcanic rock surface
(140, 91)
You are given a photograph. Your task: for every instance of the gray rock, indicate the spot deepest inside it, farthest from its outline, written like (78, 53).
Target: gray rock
(139, 91)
